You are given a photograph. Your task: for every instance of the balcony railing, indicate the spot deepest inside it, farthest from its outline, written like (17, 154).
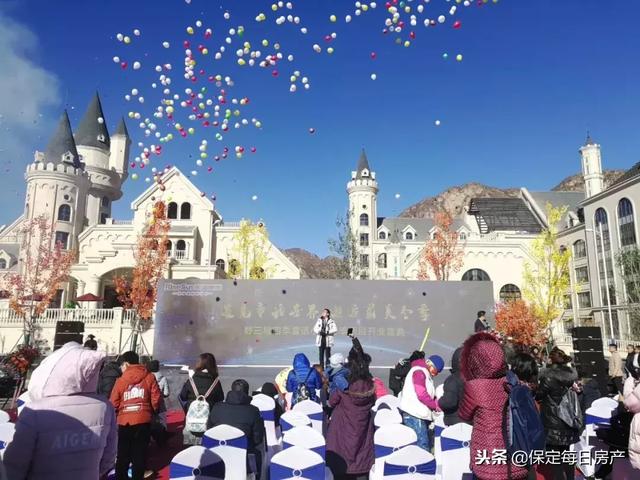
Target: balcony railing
(96, 317)
(178, 254)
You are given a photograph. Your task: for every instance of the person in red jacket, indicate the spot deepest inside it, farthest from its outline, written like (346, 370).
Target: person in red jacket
(483, 368)
(136, 397)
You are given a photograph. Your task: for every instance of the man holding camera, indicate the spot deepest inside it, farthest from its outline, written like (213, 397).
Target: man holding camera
(325, 329)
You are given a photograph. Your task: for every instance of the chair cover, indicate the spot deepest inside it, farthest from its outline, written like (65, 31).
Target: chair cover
(438, 427)
(599, 416)
(267, 407)
(297, 463)
(605, 402)
(6, 435)
(387, 440)
(410, 463)
(292, 419)
(4, 417)
(305, 437)
(455, 451)
(390, 400)
(196, 463)
(387, 416)
(312, 410)
(23, 400)
(230, 444)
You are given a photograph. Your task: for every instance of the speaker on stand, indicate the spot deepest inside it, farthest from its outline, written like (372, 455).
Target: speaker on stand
(588, 355)
(68, 331)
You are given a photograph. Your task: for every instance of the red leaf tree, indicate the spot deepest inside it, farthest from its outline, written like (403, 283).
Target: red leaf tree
(42, 268)
(517, 320)
(139, 293)
(442, 254)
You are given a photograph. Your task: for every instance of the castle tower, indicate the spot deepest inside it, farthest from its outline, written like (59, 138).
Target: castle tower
(592, 167)
(363, 212)
(105, 160)
(57, 186)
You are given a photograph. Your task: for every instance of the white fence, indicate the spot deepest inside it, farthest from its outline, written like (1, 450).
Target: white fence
(111, 327)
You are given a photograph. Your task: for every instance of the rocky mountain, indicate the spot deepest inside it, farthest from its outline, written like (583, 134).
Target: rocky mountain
(575, 183)
(310, 264)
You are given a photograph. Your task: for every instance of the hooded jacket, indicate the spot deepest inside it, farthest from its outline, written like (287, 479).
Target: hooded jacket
(66, 430)
(555, 381)
(303, 372)
(350, 432)
(632, 402)
(483, 369)
(453, 390)
(108, 375)
(238, 412)
(136, 396)
(337, 378)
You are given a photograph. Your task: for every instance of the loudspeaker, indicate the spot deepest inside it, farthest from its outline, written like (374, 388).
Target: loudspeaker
(68, 332)
(587, 345)
(588, 358)
(587, 332)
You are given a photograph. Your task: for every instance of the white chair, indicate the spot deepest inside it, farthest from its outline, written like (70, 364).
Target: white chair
(438, 427)
(312, 410)
(6, 435)
(4, 417)
(305, 437)
(390, 400)
(230, 444)
(410, 463)
(197, 463)
(267, 407)
(297, 463)
(292, 419)
(595, 418)
(455, 452)
(605, 402)
(387, 440)
(387, 416)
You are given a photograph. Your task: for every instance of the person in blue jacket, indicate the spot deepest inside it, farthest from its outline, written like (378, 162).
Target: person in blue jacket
(303, 380)
(337, 373)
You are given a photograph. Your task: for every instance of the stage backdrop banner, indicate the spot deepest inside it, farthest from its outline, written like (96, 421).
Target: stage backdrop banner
(253, 322)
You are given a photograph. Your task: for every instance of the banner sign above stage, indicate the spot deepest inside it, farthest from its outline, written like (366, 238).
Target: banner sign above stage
(253, 322)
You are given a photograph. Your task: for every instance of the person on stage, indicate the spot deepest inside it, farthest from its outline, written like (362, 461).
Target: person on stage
(481, 324)
(325, 329)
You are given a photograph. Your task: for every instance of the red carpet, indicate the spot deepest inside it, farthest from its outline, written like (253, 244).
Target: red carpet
(159, 458)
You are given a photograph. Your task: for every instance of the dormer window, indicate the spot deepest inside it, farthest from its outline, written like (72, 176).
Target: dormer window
(408, 236)
(365, 173)
(67, 157)
(101, 138)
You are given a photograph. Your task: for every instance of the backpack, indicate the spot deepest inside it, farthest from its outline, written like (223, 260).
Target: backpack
(198, 413)
(302, 391)
(522, 427)
(397, 375)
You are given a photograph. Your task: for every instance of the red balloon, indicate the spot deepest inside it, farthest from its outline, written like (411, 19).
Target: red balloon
(373, 55)
(253, 149)
(274, 73)
(186, 44)
(210, 169)
(132, 164)
(457, 24)
(123, 65)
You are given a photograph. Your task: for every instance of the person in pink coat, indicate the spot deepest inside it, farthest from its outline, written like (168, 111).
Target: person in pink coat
(67, 430)
(630, 469)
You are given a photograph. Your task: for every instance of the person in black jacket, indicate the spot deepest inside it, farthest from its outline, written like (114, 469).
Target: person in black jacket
(107, 379)
(481, 324)
(453, 391)
(206, 371)
(238, 412)
(556, 381)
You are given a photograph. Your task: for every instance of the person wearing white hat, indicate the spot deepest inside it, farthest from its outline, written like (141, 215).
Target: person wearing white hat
(337, 373)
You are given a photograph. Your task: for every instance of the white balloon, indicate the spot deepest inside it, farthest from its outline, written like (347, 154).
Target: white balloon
(136, 32)
(136, 65)
(374, 76)
(166, 44)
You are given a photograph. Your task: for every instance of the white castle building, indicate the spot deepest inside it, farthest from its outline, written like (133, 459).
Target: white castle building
(75, 182)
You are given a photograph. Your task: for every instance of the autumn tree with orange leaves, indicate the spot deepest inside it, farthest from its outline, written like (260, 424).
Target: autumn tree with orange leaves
(139, 293)
(43, 266)
(442, 254)
(517, 320)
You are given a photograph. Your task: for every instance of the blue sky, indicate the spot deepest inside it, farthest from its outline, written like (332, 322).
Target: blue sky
(534, 77)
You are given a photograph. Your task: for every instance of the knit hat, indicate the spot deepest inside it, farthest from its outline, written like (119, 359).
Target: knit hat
(437, 362)
(336, 360)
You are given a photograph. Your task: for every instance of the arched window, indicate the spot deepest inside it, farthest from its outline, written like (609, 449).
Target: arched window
(181, 245)
(382, 235)
(602, 226)
(476, 275)
(408, 236)
(579, 249)
(169, 245)
(382, 260)
(509, 293)
(627, 223)
(364, 220)
(462, 236)
(185, 211)
(220, 264)
(3, 264)
(172, 211)
(105, 201)
(64, 213)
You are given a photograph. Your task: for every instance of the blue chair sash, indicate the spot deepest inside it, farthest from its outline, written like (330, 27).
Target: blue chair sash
(428, 468)
(284, 425)
(452, 444)
(314, 472)
(383, 451)
(216, 470)
(240, 442)
(316, 416)
(3, 445)
(320, 450)
(593, 419)
(268, 415)
(438, 430)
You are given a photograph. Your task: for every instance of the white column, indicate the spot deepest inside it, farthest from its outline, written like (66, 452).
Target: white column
(93, 286)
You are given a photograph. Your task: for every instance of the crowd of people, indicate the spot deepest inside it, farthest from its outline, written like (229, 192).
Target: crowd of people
(91, 415)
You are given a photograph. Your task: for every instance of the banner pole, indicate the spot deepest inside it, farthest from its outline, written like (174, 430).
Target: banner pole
(424, 340)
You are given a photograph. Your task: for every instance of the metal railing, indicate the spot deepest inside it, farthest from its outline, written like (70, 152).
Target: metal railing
(90, 316)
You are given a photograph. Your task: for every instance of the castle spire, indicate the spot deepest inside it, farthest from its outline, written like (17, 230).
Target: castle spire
(122, 129)
(92, 131)
(62, 146)
(589, 140)
(363, 165)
